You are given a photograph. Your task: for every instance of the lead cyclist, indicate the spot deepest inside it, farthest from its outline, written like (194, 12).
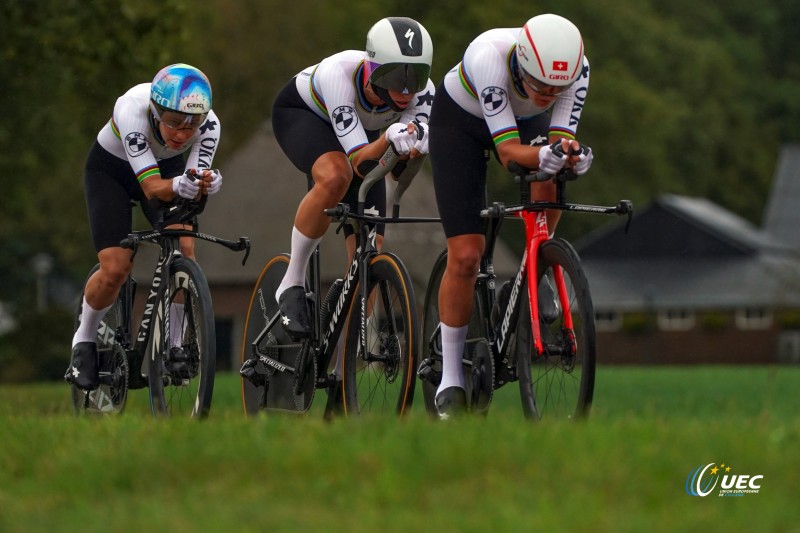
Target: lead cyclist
(158, 131)
(517, 92)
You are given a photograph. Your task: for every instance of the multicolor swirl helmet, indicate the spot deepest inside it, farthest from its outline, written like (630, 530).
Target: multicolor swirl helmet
(181, 88)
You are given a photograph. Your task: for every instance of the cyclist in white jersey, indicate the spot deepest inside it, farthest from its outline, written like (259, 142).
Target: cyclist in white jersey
(329, 120)
(157, 131)
(516, 92)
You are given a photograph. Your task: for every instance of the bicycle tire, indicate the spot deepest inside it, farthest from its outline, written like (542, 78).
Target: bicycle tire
(277, 345)
(477, 377)
(384, 381)
(107, 399)
(181, 378)
(559, 383)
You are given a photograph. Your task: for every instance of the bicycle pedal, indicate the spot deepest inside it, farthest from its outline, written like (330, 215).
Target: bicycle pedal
(248, 372)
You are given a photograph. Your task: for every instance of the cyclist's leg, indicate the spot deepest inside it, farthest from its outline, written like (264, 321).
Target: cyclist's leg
(314, 149)
(112, 393)
(458, 146)
(107, 184)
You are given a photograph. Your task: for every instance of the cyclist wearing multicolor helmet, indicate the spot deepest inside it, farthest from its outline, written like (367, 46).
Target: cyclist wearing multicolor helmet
(517, 92)
(157, 131)
(329, 120)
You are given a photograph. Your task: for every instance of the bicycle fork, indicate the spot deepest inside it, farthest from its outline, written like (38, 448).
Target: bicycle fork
(537, 231)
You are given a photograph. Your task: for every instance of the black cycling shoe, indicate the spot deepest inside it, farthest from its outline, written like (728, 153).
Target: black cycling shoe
(451, 402)
(295, 320)
(549, 308)
(83, 370)
(335, 405)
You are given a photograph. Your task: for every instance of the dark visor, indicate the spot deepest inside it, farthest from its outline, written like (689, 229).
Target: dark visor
(401, 76)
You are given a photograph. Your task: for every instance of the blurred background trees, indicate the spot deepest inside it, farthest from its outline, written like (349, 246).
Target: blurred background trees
(684, 100)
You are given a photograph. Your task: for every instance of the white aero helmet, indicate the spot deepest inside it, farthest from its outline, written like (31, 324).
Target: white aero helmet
(550, 49)
(399, 56)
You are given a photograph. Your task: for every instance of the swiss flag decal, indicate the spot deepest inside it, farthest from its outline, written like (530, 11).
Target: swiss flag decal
(560, 65)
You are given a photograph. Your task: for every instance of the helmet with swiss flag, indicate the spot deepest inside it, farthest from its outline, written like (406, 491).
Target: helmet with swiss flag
(550, 49)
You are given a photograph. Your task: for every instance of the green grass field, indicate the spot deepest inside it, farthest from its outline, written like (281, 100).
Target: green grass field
(624, 469)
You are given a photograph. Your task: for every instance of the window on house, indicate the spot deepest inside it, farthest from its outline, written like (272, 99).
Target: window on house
(753, 318)
(676, 320)
(607, 321)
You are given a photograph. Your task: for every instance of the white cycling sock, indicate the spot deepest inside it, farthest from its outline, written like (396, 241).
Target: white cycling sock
(302, 248)
(177, 325)
(90, 322)
(453, 340)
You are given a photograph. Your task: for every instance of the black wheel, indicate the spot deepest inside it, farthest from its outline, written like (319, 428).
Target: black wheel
(110, 397)
(182, 351)
(383, 379)
(478, 363)
(558, 383)
(274, 387)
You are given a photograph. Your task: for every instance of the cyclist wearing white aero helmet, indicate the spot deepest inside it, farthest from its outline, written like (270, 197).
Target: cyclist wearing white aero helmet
(157, 131)
(328, 120)
(516, 92)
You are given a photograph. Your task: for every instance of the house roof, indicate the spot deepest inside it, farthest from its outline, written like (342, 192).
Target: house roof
(691, 253)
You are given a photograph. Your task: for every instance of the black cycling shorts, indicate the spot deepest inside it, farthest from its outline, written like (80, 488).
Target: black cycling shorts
(459, 145)
(304, 137)
(110, 186)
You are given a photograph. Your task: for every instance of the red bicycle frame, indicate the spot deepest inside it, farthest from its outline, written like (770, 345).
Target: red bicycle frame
(536, 233)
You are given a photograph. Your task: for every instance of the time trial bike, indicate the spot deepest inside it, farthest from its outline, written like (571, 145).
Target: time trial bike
(538, 329)
(373, 306)
(180, 365)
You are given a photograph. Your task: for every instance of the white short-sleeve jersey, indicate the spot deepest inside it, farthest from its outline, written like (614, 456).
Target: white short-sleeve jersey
(334, 90)
(486, 85)
(132, 135)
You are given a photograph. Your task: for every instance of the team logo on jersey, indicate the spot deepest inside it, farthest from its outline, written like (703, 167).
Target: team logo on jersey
(344, 120)
(136, 144)
(494, 99)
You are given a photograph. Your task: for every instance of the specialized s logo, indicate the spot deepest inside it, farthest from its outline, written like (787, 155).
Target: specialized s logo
(494, 100)
(344, 119)
(136, 144)
(410, 35)
(704, 479)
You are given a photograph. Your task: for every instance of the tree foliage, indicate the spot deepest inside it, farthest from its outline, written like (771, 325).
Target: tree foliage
(685, 100)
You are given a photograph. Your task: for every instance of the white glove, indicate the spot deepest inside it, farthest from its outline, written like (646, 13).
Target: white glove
(216, 182)
(403, 140)
(421, 145)
(585, 161)
(549, 161)
(185, 186)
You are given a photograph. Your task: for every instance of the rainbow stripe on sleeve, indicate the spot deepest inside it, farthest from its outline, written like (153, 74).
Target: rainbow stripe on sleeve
(561, 132)
(465, 81)
(355, 150)
(505, 134)
(114, 128)
(147, 172)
